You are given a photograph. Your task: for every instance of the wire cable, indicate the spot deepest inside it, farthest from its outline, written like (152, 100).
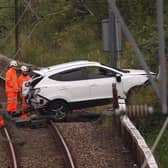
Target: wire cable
(12, 30)
(29, 35)
(16, 53)
(28, 6)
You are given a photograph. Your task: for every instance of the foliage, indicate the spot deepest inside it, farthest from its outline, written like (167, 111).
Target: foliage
(143, 25)
(144, 95)
(149, 128)
(136, 12)
(58, 16)
(71, 44)
(6, 18)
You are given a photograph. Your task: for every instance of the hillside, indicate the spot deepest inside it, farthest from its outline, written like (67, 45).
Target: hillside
(69, 30)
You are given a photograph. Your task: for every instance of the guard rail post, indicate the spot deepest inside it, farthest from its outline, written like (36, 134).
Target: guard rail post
(115, 104)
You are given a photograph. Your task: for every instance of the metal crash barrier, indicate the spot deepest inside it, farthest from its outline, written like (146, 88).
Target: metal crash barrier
(135, 142)
(130, 135)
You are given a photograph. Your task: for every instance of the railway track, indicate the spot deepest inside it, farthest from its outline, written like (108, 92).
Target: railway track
(43, 147)
(10, 154)
(52, 142)
(12, 149)
(68, 159)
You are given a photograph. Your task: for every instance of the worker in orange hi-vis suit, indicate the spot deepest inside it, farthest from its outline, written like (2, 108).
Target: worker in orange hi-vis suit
(11, 88)
(22, 78)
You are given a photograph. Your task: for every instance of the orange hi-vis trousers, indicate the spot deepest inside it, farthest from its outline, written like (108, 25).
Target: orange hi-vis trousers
(12, 101)
(24, 104)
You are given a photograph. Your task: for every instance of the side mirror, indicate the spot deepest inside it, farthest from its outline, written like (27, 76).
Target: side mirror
(118, 77)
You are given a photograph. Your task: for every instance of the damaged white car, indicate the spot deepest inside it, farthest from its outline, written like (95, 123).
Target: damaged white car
(60, 88)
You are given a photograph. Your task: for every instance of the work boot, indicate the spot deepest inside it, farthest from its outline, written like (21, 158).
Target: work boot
(24, 116)
(16, 114)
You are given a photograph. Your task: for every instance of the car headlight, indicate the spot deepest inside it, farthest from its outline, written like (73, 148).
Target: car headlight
(36, 91)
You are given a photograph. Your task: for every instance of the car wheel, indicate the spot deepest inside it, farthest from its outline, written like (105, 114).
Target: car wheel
(58, 110)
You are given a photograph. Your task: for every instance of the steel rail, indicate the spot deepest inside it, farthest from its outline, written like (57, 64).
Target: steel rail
(58, 137)
(11, 146)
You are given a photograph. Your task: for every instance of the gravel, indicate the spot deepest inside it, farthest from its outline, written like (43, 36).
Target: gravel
(39, 148)
(95, 146)
(5, 161)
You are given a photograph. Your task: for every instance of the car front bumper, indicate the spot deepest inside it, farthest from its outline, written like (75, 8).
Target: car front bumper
(36, 101)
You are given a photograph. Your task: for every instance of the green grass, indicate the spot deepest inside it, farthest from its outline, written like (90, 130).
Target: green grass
(150, 128)
(144, 95)
(76, 42)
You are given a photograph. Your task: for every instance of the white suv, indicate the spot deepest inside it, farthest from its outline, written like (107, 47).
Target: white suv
(60, 88)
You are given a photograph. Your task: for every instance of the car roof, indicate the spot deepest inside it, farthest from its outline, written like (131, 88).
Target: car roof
(64, 66)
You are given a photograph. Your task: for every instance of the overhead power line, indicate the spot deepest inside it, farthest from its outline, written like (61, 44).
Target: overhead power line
(14, 27)
(30, 34)
(137, 51)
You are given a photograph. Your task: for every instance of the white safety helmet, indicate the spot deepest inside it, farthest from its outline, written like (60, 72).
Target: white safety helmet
(24, 68)
(13, 63)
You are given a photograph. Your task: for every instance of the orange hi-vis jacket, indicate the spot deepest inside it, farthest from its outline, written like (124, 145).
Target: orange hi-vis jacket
(11, 83)
(22, 79)
(11, 87)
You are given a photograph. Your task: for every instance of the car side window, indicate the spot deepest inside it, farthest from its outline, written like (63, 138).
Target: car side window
(71, 75)
(98, 72)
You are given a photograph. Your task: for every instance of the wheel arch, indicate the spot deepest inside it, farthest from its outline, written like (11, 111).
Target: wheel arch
(59, 109)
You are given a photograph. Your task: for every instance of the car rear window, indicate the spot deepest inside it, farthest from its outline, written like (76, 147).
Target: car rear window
(71, 75)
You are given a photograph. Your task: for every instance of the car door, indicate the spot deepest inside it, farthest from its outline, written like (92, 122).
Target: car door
(72, 84)
(100, 81)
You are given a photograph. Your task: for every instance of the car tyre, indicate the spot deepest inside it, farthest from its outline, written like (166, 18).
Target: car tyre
(59, 110)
